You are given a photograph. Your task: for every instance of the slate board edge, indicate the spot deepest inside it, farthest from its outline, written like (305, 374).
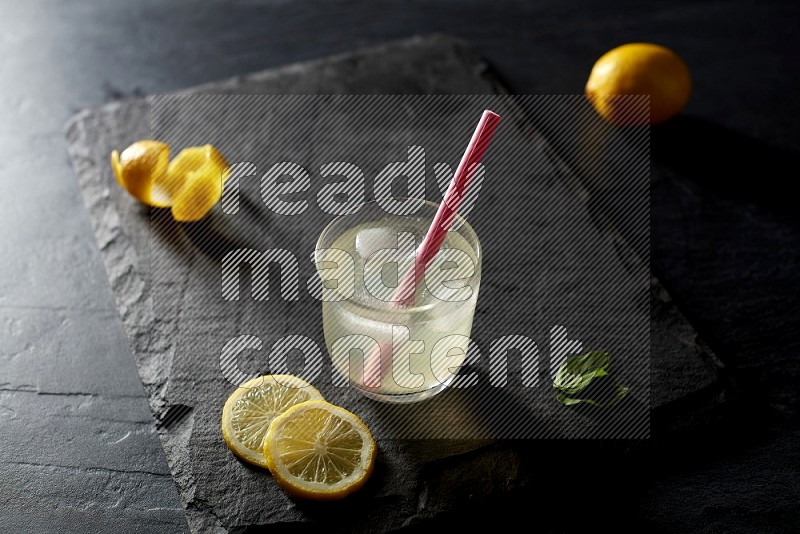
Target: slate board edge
(702, 405)
(672, 415)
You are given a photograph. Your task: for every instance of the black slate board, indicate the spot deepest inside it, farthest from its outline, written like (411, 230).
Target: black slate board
(217, 491)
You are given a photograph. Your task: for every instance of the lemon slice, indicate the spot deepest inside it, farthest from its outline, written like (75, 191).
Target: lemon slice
(252, 407)
(319, 451)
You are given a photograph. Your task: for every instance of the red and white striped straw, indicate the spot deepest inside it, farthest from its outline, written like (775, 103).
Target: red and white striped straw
(374, 368)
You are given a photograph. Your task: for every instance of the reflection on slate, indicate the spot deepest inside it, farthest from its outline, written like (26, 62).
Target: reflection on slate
(166, 280)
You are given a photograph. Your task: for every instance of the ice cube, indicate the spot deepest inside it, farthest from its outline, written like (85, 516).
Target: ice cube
(371, 239)
(385, 256)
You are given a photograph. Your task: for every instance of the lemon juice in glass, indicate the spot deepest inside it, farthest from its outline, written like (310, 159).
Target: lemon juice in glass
(390, 351)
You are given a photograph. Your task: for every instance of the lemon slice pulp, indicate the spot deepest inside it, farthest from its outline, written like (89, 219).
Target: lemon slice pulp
(249, 411)
(319, 451)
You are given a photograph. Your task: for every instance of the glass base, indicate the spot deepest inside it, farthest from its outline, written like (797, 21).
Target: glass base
(402, 398)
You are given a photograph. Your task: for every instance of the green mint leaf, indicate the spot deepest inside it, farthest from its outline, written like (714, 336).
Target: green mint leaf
(578, 371)
(567, 401)
(618, 395)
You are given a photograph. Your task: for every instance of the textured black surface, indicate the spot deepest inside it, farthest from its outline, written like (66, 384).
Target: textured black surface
(724, 243)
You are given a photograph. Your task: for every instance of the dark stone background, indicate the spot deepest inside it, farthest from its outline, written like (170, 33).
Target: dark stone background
(81, 453)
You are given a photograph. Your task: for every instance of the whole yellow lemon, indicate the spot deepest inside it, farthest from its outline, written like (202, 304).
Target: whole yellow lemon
(639, 69)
